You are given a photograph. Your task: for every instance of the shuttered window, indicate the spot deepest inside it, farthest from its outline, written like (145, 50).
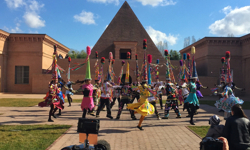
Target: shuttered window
(21, 74)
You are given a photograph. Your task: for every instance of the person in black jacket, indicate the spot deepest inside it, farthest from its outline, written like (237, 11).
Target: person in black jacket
(237, 129)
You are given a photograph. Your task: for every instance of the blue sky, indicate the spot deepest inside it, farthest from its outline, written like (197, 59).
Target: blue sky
(80, 23)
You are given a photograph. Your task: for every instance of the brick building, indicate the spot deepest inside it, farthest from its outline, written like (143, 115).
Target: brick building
(23, 57)
(209, 51)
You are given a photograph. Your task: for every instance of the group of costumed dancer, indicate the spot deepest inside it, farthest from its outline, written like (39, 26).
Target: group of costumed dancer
(105, 92)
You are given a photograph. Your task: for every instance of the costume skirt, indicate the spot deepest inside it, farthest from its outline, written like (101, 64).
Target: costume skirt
(192, 99)
(87, 103)
(227, 103)
(51, 100)
(143, 107)
(198, 94)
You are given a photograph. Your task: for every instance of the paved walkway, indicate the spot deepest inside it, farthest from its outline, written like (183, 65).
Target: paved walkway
(122, 134)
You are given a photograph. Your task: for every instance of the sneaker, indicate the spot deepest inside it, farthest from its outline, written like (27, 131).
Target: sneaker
(191, 122)
(97, 116)
(164, 117)
(140, 128)
(133, 118)
(50, 120)
(69, 105)
(109, 116)
(54, 116)
(117, 118)
(159, 118)
(178, 117)
(188, 116)
(59, 114)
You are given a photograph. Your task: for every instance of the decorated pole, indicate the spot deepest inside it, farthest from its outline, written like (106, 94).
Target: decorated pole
(156, 69)
(149, 68)
(127, 70)
(101, 73)
(189, 66)
(121, 73)
(54, 66)
(112, 71)
(96, 67)
(167, 65)
(229, 78)
(110, 65)
(68, 74)
(222, 76)
(193, 53)
(137, 69)
(144, 68)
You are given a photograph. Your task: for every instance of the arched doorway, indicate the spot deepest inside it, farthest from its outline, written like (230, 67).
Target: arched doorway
(123, 79)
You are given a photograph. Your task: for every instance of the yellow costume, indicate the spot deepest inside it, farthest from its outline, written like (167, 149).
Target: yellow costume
(143, 107)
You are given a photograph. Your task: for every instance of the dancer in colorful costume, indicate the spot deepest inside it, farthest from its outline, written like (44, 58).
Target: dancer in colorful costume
(52, 99)
(172, 101)
(106, 92)
(126, 92)
(152, 98)
(228, 100)
(143, 107)
(87, 89)
(192, 100)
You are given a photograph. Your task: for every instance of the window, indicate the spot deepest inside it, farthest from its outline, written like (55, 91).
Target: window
(21, 74)
(123, 53)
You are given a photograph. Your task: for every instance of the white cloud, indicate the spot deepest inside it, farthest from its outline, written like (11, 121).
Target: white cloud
(158, 36)
(33, 20)
(31, 16)
(236, 21)
(14, 3)
(14, 30)
(105, 1)
(85, 17)
(157, 2)
(227, 9)
(106, 26)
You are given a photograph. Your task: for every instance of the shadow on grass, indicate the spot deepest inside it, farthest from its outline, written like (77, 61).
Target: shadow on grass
(36, 128)
(21, 122)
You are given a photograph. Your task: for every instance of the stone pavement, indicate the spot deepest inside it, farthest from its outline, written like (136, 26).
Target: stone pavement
(122, 134)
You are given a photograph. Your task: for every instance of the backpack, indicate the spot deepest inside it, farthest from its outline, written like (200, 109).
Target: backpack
(208, 143)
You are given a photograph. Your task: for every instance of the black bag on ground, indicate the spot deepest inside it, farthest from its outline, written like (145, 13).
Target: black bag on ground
(90, 126)
(208, 143)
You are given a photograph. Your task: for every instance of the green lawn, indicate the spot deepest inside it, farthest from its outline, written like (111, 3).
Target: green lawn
(29, 137)
(200, 130)
(19, 102)
(75, 100)
(245, 105)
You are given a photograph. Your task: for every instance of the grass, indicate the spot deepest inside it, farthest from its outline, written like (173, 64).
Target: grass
(75, 100)
(26, 102)
(200, 130)
(35, 137)
(245, 105)
(19, 102)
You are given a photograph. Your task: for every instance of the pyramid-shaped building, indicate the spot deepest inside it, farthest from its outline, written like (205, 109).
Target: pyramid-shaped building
(125, 34)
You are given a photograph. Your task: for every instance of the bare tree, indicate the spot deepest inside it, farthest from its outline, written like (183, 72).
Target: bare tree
(162, 46)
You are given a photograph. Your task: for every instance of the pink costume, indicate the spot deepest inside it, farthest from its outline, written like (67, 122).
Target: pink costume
(180, 96)
(87, 101)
